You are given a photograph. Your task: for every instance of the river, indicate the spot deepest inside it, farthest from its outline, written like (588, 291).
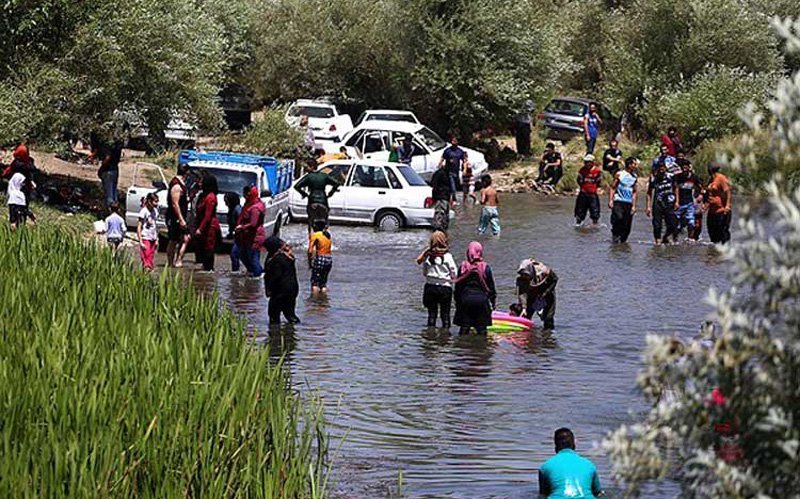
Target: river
(471, 417)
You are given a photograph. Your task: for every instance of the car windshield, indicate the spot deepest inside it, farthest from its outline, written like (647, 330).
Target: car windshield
(431, 139)
(566, 107)
(230, 180)
(311, 111)
(391, 117)
(411, 176)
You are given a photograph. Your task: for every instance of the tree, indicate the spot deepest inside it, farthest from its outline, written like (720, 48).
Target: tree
(732, 430)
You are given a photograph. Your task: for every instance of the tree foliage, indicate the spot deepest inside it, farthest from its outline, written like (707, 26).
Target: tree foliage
(753, 360)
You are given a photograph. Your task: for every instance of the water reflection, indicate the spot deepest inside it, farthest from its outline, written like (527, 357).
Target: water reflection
(470, 416)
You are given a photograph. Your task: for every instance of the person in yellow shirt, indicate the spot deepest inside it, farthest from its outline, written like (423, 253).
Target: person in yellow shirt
(342, 154)
(319, 258)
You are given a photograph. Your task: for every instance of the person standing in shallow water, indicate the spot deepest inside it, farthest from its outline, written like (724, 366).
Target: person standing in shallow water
(208, 231)
(280, 281)
(439, 269)
(622, 201)
(567, 474)
(718, 219)
(440, 187)
(320, 259)
(474, 292)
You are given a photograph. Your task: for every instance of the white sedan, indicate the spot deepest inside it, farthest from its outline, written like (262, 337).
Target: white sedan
(373, 139)
(388, 195)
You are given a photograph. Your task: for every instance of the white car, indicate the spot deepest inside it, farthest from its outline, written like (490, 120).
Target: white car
(388, 195)
(387, 115)
(373, 140)
(323, 119)
(233, 172)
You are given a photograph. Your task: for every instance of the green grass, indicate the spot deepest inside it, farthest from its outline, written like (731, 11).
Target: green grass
(114, 384)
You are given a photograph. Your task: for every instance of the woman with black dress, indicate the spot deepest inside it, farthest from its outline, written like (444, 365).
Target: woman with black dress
(280, 281)
(475, 294)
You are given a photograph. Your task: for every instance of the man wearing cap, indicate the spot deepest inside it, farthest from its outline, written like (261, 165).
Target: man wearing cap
(589, 177)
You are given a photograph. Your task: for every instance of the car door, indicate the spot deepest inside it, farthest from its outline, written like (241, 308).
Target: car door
(376, 145)
(336, 203)
(368, 190)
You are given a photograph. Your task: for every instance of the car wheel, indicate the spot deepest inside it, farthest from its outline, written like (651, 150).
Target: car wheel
(389, 220)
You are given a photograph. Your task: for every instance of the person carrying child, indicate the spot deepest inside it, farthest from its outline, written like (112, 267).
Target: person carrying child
(147, 231)
(475, 293)
(439, 269)
(489, 214)
(319, 257)
(280, 281)
(536, 290)
(115, 227)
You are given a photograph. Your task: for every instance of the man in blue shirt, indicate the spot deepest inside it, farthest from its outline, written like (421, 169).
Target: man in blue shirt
(591, 126)
(568, 475)
(454, 157)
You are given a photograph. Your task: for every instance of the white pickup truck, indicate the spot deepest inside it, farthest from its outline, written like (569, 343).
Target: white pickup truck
(233, 172)
(323, 119)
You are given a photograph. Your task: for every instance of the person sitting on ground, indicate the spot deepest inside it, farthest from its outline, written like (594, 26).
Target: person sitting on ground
(536, 291)
(490, 200)
(612, 158)
(672, 141)
(567, 474)
(589, 178)
(475, 293)
(320, 259)
(439, 269)
(622, 199)
(314, 187)
(115, 227)
(551, 165)
(661, 205)
(280, 281)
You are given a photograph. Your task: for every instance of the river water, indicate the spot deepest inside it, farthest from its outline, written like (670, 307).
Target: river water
(471, 417)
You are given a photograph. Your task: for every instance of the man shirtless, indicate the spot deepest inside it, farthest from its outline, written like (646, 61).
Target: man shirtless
(489, 214)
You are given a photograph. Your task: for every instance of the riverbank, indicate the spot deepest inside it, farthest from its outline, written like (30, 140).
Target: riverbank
(122, 385)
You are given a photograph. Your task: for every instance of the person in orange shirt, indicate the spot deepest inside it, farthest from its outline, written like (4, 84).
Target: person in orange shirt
(319, 257)
(718, 205)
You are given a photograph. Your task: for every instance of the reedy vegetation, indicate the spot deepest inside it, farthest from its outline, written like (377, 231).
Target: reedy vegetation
(754, 358)
(114, 384)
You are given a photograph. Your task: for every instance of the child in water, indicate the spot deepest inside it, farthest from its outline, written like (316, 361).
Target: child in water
(475, 292)
(280, 281)
(489, 214)
(319, 257)
(439, 269)
(115, 227)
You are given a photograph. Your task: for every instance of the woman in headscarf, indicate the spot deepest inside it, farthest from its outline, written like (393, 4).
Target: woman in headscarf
(207, 232)
(475, 293)
(250, 233)
(536, 289)
(280, 281)
(439, 269)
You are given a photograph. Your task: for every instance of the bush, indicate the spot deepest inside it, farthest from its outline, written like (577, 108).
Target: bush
(268, 135)
(117, 385)
(707, 106)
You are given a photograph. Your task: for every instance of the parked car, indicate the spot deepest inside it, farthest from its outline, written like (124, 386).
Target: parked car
(373, 139)
(563, 118)
(323, 119)
(387, 115)
(388, 195)
(233, 173)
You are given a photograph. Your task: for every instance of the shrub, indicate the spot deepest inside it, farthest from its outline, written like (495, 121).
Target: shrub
(268, 135)
(117, 385)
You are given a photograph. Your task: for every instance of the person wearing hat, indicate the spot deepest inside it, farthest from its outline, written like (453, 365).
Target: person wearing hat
(589, 177)
(280, 281)
(536, 291)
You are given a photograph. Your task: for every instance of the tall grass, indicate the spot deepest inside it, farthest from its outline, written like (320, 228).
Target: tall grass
(113, 384)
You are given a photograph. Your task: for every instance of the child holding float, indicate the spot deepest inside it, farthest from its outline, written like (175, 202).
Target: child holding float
(439, 269)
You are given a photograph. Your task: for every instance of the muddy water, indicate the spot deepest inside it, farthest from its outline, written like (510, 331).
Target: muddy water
(468, 417)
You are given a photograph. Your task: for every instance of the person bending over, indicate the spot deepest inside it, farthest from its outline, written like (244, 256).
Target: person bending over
(536, 290)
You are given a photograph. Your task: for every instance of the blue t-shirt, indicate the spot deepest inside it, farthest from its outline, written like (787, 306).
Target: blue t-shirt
(569, 476)
(115, 227)
(592, 124)
(453, 156)
(624, 192)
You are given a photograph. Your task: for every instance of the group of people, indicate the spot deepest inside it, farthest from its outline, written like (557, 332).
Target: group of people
(676, 197)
